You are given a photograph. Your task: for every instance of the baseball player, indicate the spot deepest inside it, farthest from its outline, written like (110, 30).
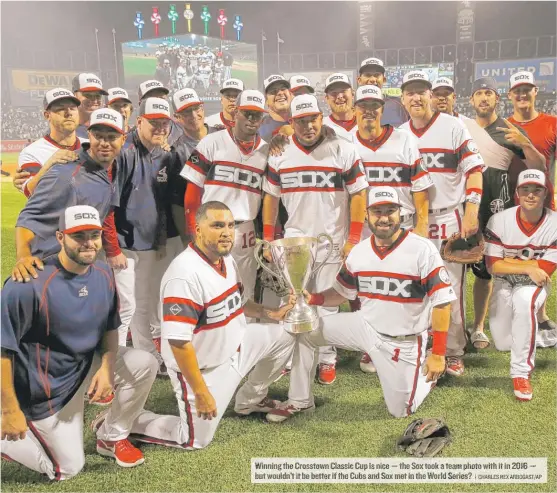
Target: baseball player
(85, 181)
(204, 74)
(323, 176)
(512, 150)
(339, 96)
(88, 88)
(155, 89)
(542, 132)
(228, 166)
(144, 223)
(218, 71)
(372, 72)
(60, 145)
(521, 252)
(55, 347)
(278, 98)
(443, 96)
(299, 85)
(207, 345)
(394, 272)
(455, 166)
(390, 157)
(119, 100)
(229, 93)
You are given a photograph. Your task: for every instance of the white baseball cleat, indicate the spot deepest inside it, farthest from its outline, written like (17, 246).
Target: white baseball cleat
(366, 365)
(286, 411)
(266, 405)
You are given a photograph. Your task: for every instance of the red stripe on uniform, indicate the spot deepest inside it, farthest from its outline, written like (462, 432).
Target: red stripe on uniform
(183, 301)
(433, 273)
(216, 325)
(312, 189)
(238, 165)
(418, 176)
(222, 296)
(50, 455)
(416, 376)
(396, 275)
(177, 318)
(396, 299)
(534, 329)
(233, 185)
(189, 417)
(309, 168)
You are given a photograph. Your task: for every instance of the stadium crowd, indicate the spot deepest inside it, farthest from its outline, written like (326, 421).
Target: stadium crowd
(22, 123)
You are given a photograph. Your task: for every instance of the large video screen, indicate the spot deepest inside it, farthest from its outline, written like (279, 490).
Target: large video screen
(433, 71)
(189, 60)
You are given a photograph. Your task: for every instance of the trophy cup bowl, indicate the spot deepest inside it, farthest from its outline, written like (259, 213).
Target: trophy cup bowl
(294, 261)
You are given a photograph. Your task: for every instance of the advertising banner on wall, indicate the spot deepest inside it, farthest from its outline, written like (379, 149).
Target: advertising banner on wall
(27, 87)
(501, 70)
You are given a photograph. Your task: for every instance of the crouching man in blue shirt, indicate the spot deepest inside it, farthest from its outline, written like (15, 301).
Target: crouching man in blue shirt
(59, 340)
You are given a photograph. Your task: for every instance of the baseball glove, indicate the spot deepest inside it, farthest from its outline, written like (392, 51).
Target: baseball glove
(463, 251)
(425, 437)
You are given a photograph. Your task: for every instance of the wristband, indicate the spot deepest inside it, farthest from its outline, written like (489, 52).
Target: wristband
(439, 343)
(317, 299)
(355, 233)
(474, 195)
(268, 232)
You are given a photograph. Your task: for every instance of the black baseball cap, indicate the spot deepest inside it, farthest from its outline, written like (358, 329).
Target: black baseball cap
(484, 83)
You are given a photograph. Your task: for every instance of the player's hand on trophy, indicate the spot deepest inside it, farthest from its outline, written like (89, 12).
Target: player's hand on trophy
(26, 268)
(539, 276)
(434, 367)
(20, 177)
(346, 250)
(277, 144)
(267, 255)
(205, 405)
(14, 425)
(279, 314)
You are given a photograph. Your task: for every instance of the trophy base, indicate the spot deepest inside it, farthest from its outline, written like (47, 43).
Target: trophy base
(301, 314)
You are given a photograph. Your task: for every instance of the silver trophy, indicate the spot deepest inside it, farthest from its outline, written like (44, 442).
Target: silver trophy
(294, 260)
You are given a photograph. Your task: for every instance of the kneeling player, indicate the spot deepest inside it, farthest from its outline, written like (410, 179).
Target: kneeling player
(404, 289)
(206, 344)
(521, 254)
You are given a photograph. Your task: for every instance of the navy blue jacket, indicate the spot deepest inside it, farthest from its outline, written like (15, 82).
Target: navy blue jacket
(143, 218)
(82, 182)
(53, 325)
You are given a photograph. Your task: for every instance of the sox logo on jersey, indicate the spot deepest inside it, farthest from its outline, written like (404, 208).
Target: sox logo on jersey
(239, 176)
(322, 180)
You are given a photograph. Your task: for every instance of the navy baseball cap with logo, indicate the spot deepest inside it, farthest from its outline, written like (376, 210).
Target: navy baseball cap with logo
(251, 100)
(484, 83)
(117, 93)
(236, 84)
(273, 79)
(58, 94)
(184, 98)
(107, 117)
(79, 218)
(413, 76)
(372, 64)
(154, 109)
(87, 82)
(148, 86)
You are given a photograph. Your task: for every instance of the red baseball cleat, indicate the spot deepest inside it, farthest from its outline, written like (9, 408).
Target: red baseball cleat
(522, 389)
(123, 451)
(455, 366)
(327, 374)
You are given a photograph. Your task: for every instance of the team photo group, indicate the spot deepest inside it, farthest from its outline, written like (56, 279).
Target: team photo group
(224, 252)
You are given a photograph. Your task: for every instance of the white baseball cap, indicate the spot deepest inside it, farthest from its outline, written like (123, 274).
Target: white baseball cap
(150, 85)
(337, 78)
(57, 94)
(531, 177)
(184, 98)
(251, 100)
(522, 78)
(107, 117)
(381, 196)
(154, 109)
(304, 105)
(272, 79)
(299, 81)
(87, 82)
(443, 82)
(369, 93)
(79, 218)
(372, 62)
(232, 84)
(116, 93)
(415, 75)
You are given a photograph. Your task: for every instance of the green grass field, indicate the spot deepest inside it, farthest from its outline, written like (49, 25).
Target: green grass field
(351, 420)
